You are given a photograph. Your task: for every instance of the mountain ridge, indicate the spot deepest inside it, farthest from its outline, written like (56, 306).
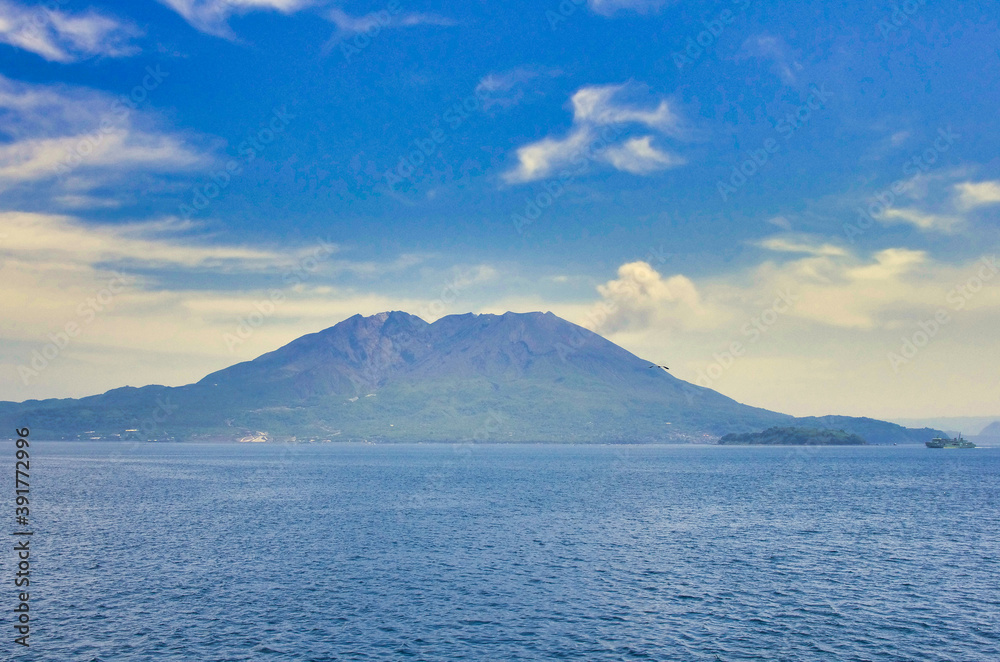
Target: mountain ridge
(395, 377)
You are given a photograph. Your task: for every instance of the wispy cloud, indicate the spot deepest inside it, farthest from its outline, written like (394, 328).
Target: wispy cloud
(368, 25)
(349, 24)
(781, 222)
(599, 105)
(797, 244)
(773, 49)
(506, 88)
(65, 240)
(610, 7)
(596, 107)
(541, 158)
(978, 194)
(54, 130)
(73, 201)
(941, 204)
(212, 16)
(506, 80)
(935, 203)
(639, 157)
(30, 160)
(923, 220)
(63, 37)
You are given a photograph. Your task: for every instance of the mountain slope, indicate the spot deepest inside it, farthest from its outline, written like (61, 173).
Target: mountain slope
(393, 376)
(991, 430)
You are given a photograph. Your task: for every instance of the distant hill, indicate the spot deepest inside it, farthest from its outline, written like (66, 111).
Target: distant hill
(395, 377)
(991, 430)
(952, 425)
(795, 436)
(874, 430)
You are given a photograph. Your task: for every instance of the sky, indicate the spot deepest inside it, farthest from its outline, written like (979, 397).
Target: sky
(794, 204)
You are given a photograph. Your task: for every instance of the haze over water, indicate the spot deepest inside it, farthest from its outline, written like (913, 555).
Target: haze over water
(440, 552)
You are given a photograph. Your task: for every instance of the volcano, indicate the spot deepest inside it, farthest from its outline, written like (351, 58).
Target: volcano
(516, 377)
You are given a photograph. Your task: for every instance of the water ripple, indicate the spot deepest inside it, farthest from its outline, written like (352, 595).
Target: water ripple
(433, 552)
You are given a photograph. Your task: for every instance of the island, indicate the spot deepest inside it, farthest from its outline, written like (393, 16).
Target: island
(394, 377)
(794, 437)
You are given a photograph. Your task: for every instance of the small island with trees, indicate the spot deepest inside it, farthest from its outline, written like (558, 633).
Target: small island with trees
(794, 437)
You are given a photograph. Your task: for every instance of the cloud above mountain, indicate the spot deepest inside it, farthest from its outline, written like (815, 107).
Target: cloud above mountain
(600, 116)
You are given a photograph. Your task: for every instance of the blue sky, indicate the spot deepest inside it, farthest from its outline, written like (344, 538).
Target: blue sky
(660, 172)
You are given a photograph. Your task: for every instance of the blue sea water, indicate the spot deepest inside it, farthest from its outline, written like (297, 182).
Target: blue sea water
(503, 552)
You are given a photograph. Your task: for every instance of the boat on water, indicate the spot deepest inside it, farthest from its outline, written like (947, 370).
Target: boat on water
(941, 442)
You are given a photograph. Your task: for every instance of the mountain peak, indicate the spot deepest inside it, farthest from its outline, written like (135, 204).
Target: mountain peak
(378, 319)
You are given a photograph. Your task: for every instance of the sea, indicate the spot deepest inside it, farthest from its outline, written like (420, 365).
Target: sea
(319, 552)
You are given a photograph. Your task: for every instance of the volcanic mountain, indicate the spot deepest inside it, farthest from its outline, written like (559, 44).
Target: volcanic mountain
(395, 377)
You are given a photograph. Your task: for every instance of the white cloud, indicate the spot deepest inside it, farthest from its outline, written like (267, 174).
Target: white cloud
(922, 220)
(977, 194)
(61, 37)
(596, 108)
(641, 296)
(64, 240)
(373, 23)
(610, 7)
(849, 291)
(505, 88)
(890, 264)
(41, 158)
(73, 201)
(29, 109)
(638, 156)
(812, 333)
(597, 105)
(212, 16)
(173, 245)
(837, 289)
(784, 244)
(349, 24)
(58, 131)
(781, 222)
(504, 81)
(539, 159)
(939, 202)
